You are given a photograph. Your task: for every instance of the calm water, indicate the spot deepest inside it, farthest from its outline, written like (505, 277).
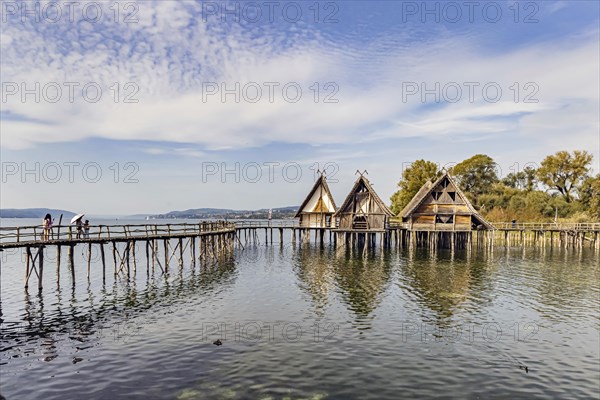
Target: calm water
(304, 322)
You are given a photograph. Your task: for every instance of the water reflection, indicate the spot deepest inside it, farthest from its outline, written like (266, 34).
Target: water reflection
(314, 272)
(360, 279)
(89, 316)
(444, 280)
(560, 282)
(373, 300)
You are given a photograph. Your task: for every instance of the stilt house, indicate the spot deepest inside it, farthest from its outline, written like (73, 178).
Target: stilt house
(318, 208)
(442, 206)
(363, 209)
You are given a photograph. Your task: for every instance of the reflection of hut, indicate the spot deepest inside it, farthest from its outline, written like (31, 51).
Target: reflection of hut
(362, 283)
(363, 210)
(318, 208)
(442, 283)
(442, 206)
(315, 277)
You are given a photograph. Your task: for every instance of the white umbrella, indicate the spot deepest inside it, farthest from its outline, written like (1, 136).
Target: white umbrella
(75, 218)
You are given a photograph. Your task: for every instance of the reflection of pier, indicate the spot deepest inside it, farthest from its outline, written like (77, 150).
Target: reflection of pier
(110, 312)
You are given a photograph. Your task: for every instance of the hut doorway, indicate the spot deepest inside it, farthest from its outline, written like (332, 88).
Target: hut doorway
(360, 222)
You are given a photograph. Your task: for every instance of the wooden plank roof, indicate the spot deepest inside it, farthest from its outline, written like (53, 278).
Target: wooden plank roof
(429, 187)
(370, 189)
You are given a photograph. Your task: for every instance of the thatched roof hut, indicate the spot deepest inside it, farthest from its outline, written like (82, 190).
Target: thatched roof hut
(442, 206)
(318, 207)
(363, 209)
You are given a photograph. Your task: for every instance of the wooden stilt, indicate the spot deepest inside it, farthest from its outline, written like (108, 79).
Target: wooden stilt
(89, 261)
(126, 256)
(58, 261)
(154, 254)
(103, 262)
(180, 252)
(166, 243)
(27, 260)
(147, 257)
(193, 250)
(114, 251)
(40, 266)
(72, 263)
(133, 243)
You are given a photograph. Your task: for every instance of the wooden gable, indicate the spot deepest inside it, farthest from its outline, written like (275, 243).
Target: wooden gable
(362, 199)
(442, 202)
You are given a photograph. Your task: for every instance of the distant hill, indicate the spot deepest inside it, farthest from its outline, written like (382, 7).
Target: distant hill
(34, 213)
(220, 213)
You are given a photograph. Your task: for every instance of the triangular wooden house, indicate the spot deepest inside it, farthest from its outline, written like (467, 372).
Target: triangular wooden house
(318, 208)
(363, 209)
(442, 206)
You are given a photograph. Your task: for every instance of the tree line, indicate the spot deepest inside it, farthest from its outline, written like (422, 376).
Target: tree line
(562, 188)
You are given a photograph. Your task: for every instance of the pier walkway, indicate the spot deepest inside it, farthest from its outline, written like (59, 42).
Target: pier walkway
(210, 239)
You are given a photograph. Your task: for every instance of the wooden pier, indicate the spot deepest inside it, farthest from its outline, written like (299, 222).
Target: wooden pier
(204, 240)
(569, 235)
(208, 241)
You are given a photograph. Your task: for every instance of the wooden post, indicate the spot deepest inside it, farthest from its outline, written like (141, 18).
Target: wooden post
(180, 252)
(27, 258)
(193, 250)
(202, 247)
(133, 256)
(147, 257)
(103, 262)
(166, 245)
(58, 261)
(72, 263)
(154, 254)
(89, 259)
(41, 266)
(126, 255)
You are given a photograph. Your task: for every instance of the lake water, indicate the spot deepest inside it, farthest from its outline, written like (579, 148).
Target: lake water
(304, 322)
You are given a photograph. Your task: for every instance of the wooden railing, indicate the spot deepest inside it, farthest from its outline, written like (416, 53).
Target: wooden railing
(278, 223)
(547, 226)
(24, 234)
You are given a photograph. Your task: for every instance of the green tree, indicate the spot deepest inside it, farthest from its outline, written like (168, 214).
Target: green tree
(513, 180)
(589, 194)
(530, 178)
(565, 172)
(525, 179)
(476, 175)
(413, 178)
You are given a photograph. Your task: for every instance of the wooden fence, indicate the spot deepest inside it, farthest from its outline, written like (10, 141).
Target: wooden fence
(33, 234)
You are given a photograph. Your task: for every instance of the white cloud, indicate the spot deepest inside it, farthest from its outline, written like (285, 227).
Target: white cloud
(170, 53)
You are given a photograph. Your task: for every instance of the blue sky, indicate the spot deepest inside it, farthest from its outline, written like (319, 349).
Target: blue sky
(396, 82)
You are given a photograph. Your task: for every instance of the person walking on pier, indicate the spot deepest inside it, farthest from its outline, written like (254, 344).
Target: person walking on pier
(86, 229)
(79, 226)
(47, 227)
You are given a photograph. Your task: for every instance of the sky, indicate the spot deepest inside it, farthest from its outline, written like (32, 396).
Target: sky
(133, 107)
